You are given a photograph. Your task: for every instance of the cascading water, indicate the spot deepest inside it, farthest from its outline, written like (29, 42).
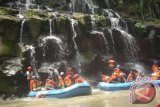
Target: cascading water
(21, 31)
(28, 3)
(106, 43)
(111, 35)
(107, 3)
(53, 38)
(73, 24)
(130, 49)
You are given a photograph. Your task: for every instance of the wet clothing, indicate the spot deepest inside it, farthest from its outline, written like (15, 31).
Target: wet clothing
(154, 67)
(156, 75)
(50, 84)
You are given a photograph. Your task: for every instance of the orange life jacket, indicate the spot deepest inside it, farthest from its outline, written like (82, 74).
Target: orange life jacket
(67, 81)
(33, 85)
(61, 82)
(79, 80)
(117, 72)
(50, 84)
(154, 67)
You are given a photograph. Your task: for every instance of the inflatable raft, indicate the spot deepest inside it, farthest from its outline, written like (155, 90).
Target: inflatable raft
(74, 90)
(118, 86)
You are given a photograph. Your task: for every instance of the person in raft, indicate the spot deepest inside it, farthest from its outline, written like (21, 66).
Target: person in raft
(132, 75)
(78, 79)
(34, 84)
(117, 75)
(50, 84)
(111, 64)
(155, 67)
(156, 75)
(61, 80)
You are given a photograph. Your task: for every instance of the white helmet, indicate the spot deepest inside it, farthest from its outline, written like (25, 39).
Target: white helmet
(62, 73)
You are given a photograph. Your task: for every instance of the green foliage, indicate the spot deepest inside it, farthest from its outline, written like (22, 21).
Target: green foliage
(139, 25)
(8, 11)
(101, 21)
(36, 14)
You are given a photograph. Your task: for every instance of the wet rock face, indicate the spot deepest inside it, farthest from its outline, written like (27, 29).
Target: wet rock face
(9, 35)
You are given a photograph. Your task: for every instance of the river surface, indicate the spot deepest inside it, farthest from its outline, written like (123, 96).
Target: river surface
(97, 99)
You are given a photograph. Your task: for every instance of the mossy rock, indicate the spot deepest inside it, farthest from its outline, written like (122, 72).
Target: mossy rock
(8, 11)
(36, 14)
(37, 27)
(10, 28)
(62, 25)
(8, 47)
(84, 21)
(102, 21)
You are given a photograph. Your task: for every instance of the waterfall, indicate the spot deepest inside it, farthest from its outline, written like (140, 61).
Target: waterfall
(73, 24)
(114, 52)
(28, 3)
(21, 30)
(106, 43)
(53, 38)
(93, 19)
(107, 3)
(33, 61)
(130, 49)
(50, 27)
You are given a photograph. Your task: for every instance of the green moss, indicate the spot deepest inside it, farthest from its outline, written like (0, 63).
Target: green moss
(89, 56)
(8, 11)
(84, 21)
(5, 86)
(35, 14)
(8, 48)
(62, 25)
(102, 21)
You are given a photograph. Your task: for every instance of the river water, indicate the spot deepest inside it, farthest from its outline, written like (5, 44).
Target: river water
(97, 99)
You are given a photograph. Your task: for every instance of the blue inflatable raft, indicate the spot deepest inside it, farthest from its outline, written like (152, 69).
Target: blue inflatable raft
(118, 86)
(74, 90)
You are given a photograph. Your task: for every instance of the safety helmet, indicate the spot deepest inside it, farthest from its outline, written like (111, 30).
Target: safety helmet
(49, 77)
(62, 73)
(76, 75)
(155, 62)
(33, 77)
(118, 66)
(29, 68)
